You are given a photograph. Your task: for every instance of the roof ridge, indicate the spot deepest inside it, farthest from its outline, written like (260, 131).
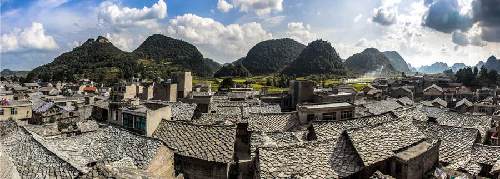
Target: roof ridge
(197, 125)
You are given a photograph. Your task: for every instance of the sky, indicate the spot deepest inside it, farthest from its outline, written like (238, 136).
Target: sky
(34, 32)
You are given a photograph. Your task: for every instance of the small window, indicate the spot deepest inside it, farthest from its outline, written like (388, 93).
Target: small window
(346, 114)
(329, 116)
(1, 112)
(13, 111)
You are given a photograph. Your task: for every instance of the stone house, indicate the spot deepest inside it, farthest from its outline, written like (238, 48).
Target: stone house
(165, 92)
(399, 92)
(201, 151)
(31, 86)
(143, 119)
(329, 111)
(49, 91)
(49, 112)
(433, 92)
(395, 148)
(464, 106)
(15, 110)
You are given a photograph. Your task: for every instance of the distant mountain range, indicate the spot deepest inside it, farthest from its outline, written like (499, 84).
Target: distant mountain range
(158, 56)
(492, 63)
(10, 73)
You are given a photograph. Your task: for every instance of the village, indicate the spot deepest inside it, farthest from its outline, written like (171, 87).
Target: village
(414, 127)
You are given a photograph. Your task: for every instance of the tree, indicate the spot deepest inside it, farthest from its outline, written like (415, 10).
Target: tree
(493, 77)
(226, 83)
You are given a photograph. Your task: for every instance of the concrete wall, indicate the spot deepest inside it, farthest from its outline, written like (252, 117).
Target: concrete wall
(154, 117)
(23, 112)
(165, 92)
(185, 84)
(162, 165)
(418, 166)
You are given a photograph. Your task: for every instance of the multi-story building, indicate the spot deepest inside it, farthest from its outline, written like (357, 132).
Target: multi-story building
(15, 110)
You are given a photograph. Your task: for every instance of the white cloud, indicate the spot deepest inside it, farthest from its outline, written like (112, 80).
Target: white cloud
(125, 41)
(357, 18)
(259, 7)
(387, 13)
(216, 39)
(115, 15)
(30, 38)
(300, 32)
(224, 6)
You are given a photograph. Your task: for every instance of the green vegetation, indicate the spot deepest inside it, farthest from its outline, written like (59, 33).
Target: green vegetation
(319, 57)
(231, 70)
(478, 78)
(370, 61)
(101, 61)
(271, 56)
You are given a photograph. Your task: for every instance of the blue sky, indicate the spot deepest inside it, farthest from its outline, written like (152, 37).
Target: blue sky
(452, 31)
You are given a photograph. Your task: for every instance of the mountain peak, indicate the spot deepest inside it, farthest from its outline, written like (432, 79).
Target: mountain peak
(102, 39)
(371, 50)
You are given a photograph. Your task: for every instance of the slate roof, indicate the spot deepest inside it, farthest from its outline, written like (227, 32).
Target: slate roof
(330, 158)
(448, 118)
(217, 119)
(263, 108)
(379, 107)
(464, 102)
(210, 143)
(456, 142)
(272, 122)
(108, 144)
(333, 129)
(484, 154)
(32, 159)
(275, 139)
(405, 101)
(434, 86)
(377, 143)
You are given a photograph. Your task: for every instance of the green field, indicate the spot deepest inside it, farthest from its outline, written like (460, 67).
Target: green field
(257, 82)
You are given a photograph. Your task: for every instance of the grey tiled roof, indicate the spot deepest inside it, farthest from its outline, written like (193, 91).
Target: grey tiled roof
(106, 144)
(448, 118)
(333, 129)
(377, 143)
(217, 119)
(210, 143)
(379, 107)
(32, 159)
(456, 142)
(182, 111)
(272, 122)
(274, 139)
(330, 158)
(484, 154)
(261, 109)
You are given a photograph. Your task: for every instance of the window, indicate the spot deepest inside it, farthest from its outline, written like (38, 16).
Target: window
(483, 110)
(346, 114)
(128, 121)
(1, 112)
(329, 116)
(310, 117)
(140, 124)
(13, 111)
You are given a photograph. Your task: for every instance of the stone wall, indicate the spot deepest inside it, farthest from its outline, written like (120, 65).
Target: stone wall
(200, 169)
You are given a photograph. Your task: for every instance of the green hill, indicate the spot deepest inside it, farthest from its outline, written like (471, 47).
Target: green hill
(370, 62)
(100, 60)
(271, 56)
(319, 57)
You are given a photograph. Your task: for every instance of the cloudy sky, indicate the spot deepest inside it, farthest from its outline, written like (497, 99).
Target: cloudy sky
(422, 31)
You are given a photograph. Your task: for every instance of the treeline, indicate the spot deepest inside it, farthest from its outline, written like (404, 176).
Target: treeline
(477, 77)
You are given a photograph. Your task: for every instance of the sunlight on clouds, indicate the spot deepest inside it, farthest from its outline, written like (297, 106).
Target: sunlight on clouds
(30, 38)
